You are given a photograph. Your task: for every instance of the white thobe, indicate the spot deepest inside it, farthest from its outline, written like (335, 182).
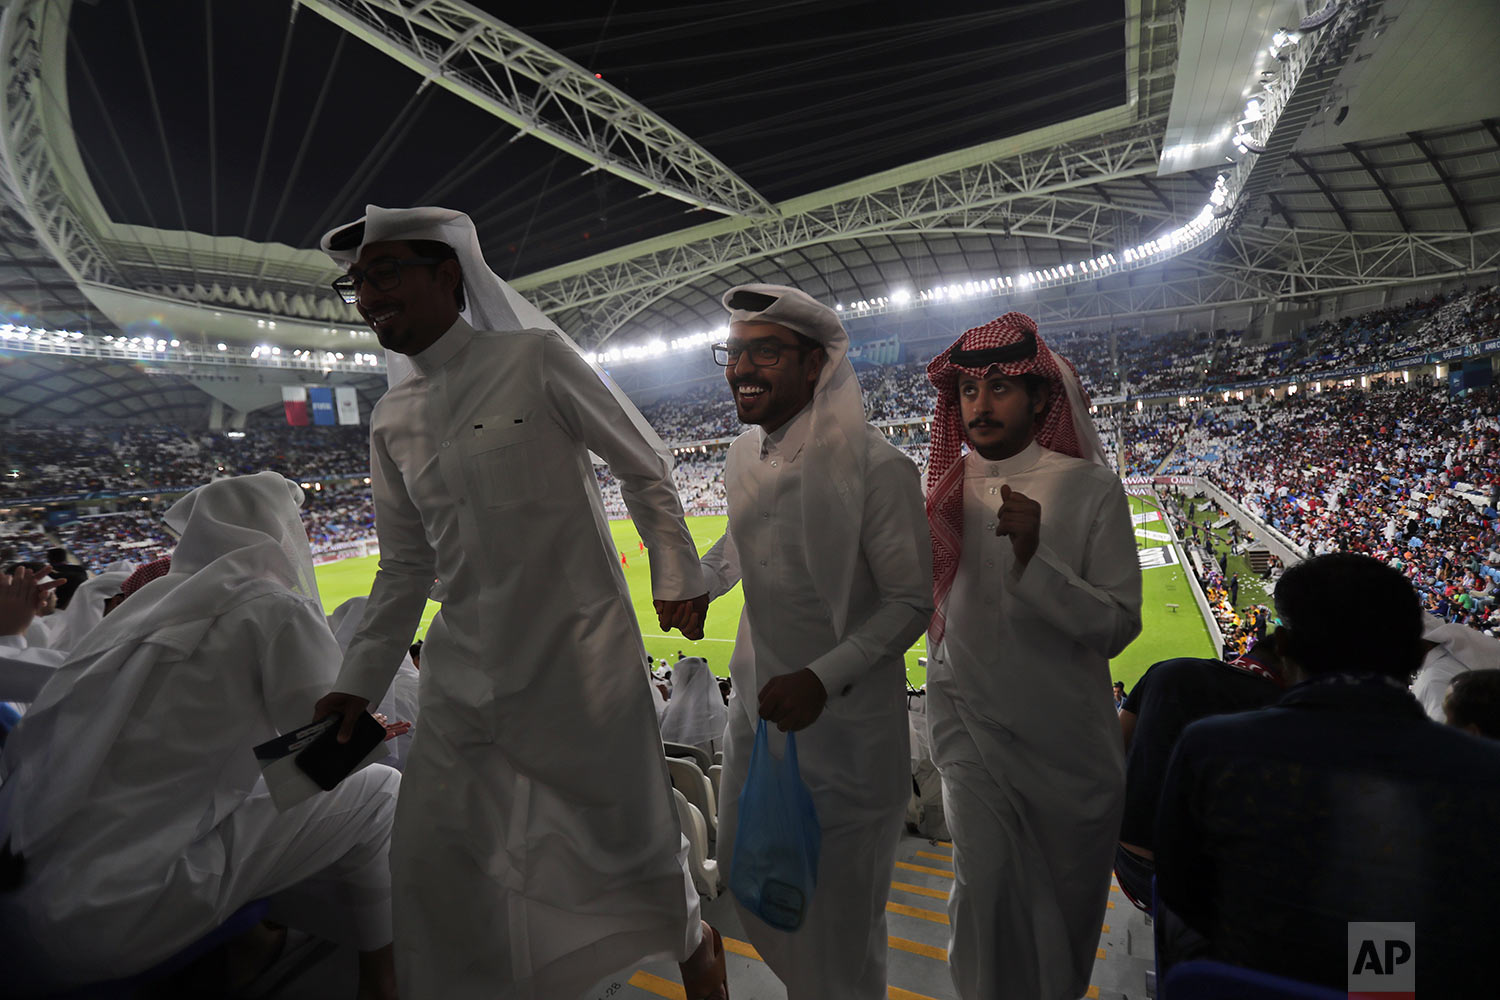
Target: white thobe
(854, 758)
(178, 831)
(1024, 733)
(401, 705)
(537, 847)
(23, 670)
(1459, 650)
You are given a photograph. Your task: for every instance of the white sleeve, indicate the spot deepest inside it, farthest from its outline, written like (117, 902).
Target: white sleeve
(608, 423)
(721, 567)
(402, 583)
(895, 544)
(1099, 606)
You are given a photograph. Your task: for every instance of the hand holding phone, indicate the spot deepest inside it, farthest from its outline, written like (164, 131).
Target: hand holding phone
(327, 761)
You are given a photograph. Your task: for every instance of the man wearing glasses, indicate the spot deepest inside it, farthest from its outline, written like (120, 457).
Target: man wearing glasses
(827, 534)
(536, 845)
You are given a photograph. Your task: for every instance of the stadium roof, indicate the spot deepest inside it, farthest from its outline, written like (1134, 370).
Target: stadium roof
(176, 159)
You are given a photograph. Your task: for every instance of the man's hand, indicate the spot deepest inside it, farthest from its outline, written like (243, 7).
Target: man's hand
(22, 596)
(1020, 517)
(347, 705)
(685, 616)
(793, 701)
(393, 729)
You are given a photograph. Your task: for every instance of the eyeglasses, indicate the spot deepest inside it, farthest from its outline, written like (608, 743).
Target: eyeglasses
(383, 274)
(763, 353)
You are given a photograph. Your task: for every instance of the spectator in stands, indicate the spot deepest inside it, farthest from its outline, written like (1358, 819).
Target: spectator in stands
(481, 476)
(1473, 703)
(1117, 690)
(23, 671)
(1172, 694)
(131, 797)
(86, 610)
(825, 522)
(1037, 584)
(1452, 651)
(1374, 810)
(695, 715)
(70, 573)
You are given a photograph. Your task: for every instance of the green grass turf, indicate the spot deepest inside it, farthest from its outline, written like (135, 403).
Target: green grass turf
(1164, 634)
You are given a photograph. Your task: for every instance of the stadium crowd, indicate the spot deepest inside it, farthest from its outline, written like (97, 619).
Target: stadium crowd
(1407, 475)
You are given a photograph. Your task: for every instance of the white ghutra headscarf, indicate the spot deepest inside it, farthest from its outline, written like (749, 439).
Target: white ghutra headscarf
(833, 499)
(490, 302)
(241, 538)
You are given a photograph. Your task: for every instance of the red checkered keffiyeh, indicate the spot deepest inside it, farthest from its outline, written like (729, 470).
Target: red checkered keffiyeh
(145, 574)
(945, 467)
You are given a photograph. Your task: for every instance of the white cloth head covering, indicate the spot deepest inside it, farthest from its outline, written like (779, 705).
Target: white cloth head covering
(127, 566)
(86, 609)
(241, 538)
(489, 301)
(696, 713)
(833, 500)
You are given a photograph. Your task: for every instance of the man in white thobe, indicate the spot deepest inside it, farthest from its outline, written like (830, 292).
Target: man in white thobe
(537, 846)
(826, 534)
(399, 706)
(1452, 649)
(131, 789)
(23, 670)
(1037, 585)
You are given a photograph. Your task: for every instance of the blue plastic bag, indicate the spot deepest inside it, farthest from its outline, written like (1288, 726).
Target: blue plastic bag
(775, 865)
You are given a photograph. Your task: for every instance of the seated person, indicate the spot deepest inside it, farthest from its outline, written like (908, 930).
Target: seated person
(1452, 650)
(695, 715)
(1342, 802)
(133, 818)
(23, 670)
(1473, 703)
(1169, 696)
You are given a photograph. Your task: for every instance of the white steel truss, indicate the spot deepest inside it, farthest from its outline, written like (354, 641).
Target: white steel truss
(31, 44)
(542, 93)
(1292, 263)
(1051, 192)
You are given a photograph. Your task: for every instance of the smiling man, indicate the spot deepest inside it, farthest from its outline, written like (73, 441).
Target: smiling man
(536, 845)
(1037, 585)
(825, 532)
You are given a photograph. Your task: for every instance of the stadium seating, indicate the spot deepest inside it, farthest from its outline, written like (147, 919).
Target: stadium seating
(698, 790)
(704, 869)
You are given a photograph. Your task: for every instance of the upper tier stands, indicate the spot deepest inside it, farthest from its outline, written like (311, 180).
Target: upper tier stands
(1406, 474)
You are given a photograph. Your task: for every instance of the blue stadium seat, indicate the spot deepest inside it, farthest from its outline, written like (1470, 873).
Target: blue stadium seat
(1204, 979)
(239, 922)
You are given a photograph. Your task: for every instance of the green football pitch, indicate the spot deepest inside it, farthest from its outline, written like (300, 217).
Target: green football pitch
(1165, 633)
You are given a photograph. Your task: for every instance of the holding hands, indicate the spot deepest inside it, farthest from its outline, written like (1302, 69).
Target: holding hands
(685, 616)
(1020, 517)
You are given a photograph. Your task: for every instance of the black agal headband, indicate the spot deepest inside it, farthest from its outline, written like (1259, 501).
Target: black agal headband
(1025, 348)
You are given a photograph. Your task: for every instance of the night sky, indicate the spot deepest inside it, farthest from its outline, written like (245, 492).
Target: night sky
(794, 97)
